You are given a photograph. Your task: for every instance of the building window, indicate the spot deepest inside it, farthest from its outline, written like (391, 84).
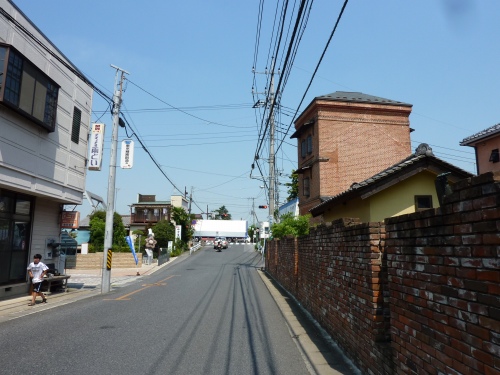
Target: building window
(303, 148)
(75, 130)
(309, 144)
(306, 190)
(494, 157)
(423, 202)
(27, 90)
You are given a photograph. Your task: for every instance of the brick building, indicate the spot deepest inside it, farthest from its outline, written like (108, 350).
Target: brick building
(344, 138)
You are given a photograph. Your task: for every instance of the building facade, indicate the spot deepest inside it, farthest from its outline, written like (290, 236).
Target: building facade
(486, 145)
(344, 138)
(406, 187)
(45, 111)
(148, 211)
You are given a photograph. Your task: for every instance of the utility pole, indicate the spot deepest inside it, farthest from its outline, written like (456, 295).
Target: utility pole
(272, 197)
(253, 211)
(272, 173)
(110, 209)
(190, 200)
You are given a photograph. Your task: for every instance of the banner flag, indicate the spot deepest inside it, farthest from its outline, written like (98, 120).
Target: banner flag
(132, 249)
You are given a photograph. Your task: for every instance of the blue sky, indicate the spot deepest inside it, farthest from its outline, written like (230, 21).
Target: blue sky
(441, 56)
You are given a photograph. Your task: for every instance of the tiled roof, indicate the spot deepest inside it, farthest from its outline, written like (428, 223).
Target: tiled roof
(423, 151)
(359, 97)
(482, 134)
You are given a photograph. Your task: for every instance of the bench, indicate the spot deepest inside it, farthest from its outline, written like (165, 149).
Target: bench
(60, 281)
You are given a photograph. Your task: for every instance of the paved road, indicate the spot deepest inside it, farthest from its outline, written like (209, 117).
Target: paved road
(209, 314)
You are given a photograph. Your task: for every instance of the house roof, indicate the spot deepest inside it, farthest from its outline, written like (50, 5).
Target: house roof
(348, 97)
(469, 141)
(422, 159)
(359, 97)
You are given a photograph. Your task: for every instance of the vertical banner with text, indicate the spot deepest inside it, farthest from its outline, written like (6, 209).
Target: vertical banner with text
(96, 147)
(127, 154)
(178, 231)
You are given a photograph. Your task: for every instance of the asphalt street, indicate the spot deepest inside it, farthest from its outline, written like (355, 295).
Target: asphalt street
(211, 313)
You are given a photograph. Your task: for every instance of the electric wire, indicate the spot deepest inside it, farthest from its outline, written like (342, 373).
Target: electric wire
(317, 67)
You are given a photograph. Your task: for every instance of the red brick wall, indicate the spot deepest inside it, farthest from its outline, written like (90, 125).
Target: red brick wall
(341, 283)
(444, 274)
(437, 272)
(283, 263)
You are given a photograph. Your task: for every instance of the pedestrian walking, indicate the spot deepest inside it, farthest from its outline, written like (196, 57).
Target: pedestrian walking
(37, 271)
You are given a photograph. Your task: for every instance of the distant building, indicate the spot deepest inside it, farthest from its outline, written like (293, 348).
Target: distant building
(486, 145)
(45, 112)
(346, 137)
(291, 207)
(148, 211)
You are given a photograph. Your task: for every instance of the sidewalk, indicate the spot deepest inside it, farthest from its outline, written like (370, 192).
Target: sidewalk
(82, 284)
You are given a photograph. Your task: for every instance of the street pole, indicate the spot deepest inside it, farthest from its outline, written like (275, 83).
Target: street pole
(110, 209)
(271, 147)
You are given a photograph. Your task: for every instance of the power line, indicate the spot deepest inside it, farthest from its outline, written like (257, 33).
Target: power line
(317, 66)
(179, 109)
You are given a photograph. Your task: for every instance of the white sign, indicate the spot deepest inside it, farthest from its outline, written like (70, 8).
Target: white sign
(127, 159)
(96, 147)
(178, 229)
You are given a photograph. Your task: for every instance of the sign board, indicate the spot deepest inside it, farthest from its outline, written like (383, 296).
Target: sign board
(127, 154)
(70, 219)
(96, 147)
(178, 229)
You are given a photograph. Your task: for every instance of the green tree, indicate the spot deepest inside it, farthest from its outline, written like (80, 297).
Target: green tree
(293, 186)
(182, 218)
(98, 229)
(291, 226)
(164, 231)
(222, 213)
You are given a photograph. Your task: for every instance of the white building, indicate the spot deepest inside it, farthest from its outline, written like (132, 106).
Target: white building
(291, 207)
(45, 109)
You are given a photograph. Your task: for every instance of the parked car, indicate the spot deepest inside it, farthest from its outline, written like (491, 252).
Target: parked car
(223, 240)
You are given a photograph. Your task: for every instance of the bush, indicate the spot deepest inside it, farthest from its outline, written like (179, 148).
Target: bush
(179, 248)
(291, 226)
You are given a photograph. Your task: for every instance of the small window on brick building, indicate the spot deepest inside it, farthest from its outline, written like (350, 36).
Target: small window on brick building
(423, 202)
(495, 156)
(75, 130)
(309, 144)
(306, 190)
(303, 148)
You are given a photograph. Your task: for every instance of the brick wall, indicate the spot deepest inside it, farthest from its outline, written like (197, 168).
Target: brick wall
(444, 282)
(436, 274)
(339, 280)
(283, 263)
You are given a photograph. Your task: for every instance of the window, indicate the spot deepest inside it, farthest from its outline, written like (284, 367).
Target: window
(306, 190)
(75, 130)
(423, 202)
(309, 144)
(27, 90)
(494, 157)
(303, 149)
